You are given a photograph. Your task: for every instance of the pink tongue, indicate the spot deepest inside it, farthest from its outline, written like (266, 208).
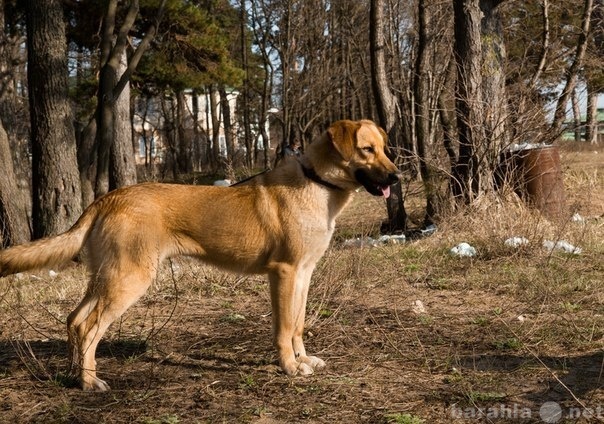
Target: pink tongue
(386, 191)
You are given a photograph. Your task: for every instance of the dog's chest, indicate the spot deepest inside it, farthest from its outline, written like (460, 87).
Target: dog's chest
(316, 234)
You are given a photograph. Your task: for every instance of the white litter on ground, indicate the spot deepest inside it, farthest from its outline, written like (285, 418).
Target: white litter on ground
(516, 242)
(360, 242)
(562, 245)
(52, 273)
(222, 183)
(418, 307)
(371, 242)
(429, 230)
(517, 147)
(577, 218)
(392, 239)
(463, 249)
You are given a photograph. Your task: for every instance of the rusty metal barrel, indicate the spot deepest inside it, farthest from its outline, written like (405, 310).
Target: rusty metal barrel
(536, 176)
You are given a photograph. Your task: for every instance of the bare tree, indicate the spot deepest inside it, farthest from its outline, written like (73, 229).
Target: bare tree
(261, 27)
(574, 99)
(422, 111)
(122, 165)
(111, 84)
(572, 73)
(14, 223)
(56, 181)
(479, 95)
(183, 142)
(595, 74)
(229, 136)
(386, 105)
(14, 227)
(245, 92)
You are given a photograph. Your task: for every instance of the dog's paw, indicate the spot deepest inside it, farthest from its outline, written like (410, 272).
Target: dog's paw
(314, 362)
(297, 368)
(304, 369)
(95, 385)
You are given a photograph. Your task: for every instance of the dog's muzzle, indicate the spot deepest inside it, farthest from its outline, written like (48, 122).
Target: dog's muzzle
(377, 185)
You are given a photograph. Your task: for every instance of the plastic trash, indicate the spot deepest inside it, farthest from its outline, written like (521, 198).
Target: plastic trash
(516, 242)
(463, 249)
(392, 239)
(222, 183)
(562, 245)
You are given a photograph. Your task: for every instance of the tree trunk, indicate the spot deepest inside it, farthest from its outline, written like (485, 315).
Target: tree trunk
(572, 73)
(171, 156)
(576, 114)
(183, 141)
(386, 104)
(228, 125)
(591, 126)
(422, 113)
(122, 164)
(215, 116)
(87, 162)
(445, 120)
(112, 82)
(469, 100)
(14, 225)
(494, 57)
(197, 141)
(56, 182)
(12, 60)
(247, 131)
(104, 134)
(14, 222)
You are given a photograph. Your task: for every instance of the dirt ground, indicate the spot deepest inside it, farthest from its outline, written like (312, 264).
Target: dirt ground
(410, 333)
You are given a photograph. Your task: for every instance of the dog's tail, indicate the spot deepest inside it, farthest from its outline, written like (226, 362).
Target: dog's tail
(49, 251)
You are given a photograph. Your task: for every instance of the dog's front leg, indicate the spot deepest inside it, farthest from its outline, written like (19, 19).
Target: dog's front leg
(301, 294)
(283, 301)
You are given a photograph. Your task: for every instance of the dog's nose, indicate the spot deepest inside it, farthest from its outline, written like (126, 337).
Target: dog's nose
(394, 177)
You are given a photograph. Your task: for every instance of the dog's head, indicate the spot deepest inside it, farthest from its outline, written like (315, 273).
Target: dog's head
(363, 148)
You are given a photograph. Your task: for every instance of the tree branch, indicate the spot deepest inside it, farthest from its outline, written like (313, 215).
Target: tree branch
(138, 53)
(545, 46)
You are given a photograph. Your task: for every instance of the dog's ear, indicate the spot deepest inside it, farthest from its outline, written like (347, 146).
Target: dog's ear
(384, 135)
(343, 137)
(385, 138)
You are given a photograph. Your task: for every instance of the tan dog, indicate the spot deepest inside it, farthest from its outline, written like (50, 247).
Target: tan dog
(278, 223)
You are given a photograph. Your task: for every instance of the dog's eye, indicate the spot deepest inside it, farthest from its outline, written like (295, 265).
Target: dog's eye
(368, 149)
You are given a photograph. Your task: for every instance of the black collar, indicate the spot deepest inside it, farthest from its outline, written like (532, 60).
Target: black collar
(312, 175)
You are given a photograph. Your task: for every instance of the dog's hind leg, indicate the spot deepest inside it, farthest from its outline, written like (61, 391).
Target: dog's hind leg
(111, 297)
(301, 294)
(73, 321)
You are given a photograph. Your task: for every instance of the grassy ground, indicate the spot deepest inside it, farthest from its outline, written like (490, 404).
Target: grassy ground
(410, 333)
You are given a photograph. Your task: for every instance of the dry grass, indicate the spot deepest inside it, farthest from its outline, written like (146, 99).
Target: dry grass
(509, 328)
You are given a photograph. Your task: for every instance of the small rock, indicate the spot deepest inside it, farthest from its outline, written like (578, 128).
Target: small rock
(418, 307)
(52, 274)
